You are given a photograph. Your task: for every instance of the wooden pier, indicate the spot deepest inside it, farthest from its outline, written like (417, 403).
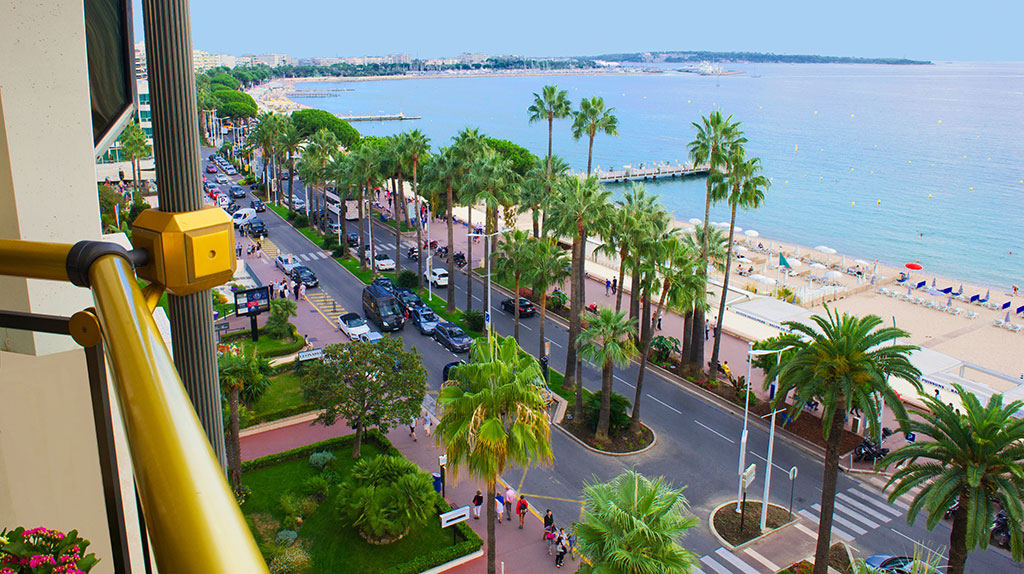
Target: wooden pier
(629, 173)
(380, 118)
(322, 93)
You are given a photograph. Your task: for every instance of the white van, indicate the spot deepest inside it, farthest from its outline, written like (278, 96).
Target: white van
(243, 216)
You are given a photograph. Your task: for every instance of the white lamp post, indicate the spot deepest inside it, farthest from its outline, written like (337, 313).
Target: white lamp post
(771, 445)
(746, 408)
(487, 256)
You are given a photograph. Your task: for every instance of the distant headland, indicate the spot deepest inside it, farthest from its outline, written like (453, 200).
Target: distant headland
(685, 57)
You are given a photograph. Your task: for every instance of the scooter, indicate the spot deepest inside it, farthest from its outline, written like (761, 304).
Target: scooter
(441, 251)
(1001, 530)
(459, 259)
(868, 451)
(413, 253)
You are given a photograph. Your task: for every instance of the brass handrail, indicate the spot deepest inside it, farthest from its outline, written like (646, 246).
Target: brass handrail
(194, 523)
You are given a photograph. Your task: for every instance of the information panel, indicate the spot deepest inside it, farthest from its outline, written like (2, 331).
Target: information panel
(252, 301)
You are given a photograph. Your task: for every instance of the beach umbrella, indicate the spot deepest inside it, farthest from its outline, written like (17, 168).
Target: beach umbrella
(795, 263)
(961, 289)
(695, 221)
(766, 281)
(1007, 319)
(914, 266)
(798, 251)
(986, 294)
(738, 229)
(818, 266)
(861, 262)
(826, 250)
(908, 291)
(751, 233)
(949, 301)
(833, 275)
(842, 261)
(934, 291)
(739, 248)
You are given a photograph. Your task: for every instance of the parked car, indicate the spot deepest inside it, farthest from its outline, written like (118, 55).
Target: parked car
(237, 192)
(353, 239)
(387, 284)
(370, 337)
(304, 275)
(526, 308)
(424, 319)
(258, 205)
(298, 203)
(285, 175)
(230, 170)
(437, 276)
(452, 337)
(379, 306)
(334, 228)
(384, 262)
(447, 369)
(889, 564)
(211, 168)
(352, 325)
(221, 178)
(407, 300)
(286, 262)
(256, 228)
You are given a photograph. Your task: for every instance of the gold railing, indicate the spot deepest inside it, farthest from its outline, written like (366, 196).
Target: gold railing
(193, 521)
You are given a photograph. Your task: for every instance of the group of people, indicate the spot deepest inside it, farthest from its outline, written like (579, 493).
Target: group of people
(559, 543)
(253, 248)
(280, 289)
(557, 539)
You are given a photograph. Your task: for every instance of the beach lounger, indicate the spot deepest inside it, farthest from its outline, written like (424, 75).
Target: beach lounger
(947, 290)
(972, 315)
(921, 285)
(1017, 328)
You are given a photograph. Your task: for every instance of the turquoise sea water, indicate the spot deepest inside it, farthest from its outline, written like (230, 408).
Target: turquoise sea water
(895, 163)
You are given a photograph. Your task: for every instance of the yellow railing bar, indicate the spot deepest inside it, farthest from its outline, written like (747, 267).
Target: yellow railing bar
(34, 259)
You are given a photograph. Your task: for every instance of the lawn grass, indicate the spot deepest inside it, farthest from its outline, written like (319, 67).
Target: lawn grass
(439, 306)
(278, 209)
(404, 226)
(267, 346)
(365, 276)
(283, 395)
(333, 545)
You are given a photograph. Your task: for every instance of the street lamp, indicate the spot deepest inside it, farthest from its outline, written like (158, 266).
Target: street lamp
(746, 408)
(487, 255)
(771, 445)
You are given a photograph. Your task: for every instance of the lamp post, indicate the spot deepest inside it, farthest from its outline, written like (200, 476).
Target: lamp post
(746, 408)
(771, 445)
(442, 460)
(487, 256)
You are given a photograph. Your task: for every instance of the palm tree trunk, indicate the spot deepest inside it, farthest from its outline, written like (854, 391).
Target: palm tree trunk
(469, 258)
(491, 516)
(547, 180)
(363, 223)
(687, 342)
(590, 153)
(645, 348)
(634, 294)
(543, 319)
(605, 416)
(535, 213)
(419, 226)
(958, 539)
(828, 487)
(721, 305)
(575, 308)
(358, 441)
(233, 448)
(451, 251)
(398, 249)
(342, 212)
(515, 298)
(697, 333)
(291, 182)
(623, 255)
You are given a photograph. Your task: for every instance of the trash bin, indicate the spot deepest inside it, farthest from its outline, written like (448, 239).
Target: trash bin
(383, 218)
(437, 481)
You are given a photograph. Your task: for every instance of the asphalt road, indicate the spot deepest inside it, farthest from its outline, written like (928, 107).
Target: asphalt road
(697, 440)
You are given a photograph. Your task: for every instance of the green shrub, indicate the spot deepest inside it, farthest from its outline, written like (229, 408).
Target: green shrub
(469, 542)
(370, 435)
(293, 560)
(407, 279)
(290, 504)
(739, 396)
(317, 487)
(385, 497)
(320, 460)
(286, 537)
(619, 419)
(277, 325)
(341, 251)
(557, 300)
(290, 522)
(474, 320)
(301, 220)
(292, 215)
(308, 505)
(330, 241)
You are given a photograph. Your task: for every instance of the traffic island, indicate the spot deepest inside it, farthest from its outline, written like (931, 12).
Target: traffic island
(725, 523)
(840, 561)
(621, 443)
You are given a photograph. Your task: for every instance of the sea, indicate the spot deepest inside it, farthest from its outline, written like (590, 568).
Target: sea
(890, 163)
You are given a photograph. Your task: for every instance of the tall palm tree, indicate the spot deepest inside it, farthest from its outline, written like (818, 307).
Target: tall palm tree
(468, 144)
(576, 206)
(714, 257)
(321, 147)
(492, 181)
(365, 166)
(842, 362)
(632, 525)
(548, 267)
(591, 119)
(492, 415)
(715, 135)
(389, 167)
(624, 234)
(443, 170)
(550, 104)
(512, 261)
(339, 171)
(290, 142)
(243, 379)
(311, 174)
(609, 341)
(968, 459)
(746, 186)
(415, 148)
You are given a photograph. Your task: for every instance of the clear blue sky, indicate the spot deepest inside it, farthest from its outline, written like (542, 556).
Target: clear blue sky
(938, 30)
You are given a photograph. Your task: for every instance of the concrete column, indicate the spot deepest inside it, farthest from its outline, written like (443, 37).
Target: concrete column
(172, 88)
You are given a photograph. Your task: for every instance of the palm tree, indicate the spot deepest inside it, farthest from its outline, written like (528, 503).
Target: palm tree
(715, 135)
(591, 119)
(575, 206)
(321, 147)
(364, 167)
(415, 147)
(492, 415)
(623, 234)
(746, 187)
(242, 378)
(290, 141)
(491, 181)
(339, 170)
(631, 525)
(608, 340)
(443, 169)
(389, 165)
(714, 256)
(512, 260)
(842, 362)
(548, 267)
(311, 174)
(968, 459)
(134, 147)
(549, 105)
(468, 144)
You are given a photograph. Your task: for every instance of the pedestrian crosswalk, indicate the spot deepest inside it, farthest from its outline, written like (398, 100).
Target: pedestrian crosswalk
(857, 511)
(723, 561)
(314, 256)
(326, 305)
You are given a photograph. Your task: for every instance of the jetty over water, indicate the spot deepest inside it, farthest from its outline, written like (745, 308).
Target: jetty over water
(629, 173)
(321, 93)
(380, 118)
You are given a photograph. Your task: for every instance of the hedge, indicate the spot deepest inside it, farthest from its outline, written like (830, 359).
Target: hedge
(373, 435)
(275, 415)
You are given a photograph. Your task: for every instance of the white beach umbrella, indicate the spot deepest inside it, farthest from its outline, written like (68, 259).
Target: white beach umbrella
(818, 266)
(738, 229)
(795, 263)
(695, 221)
(720, 224)
(826, 250)
(751, 233)
(833, 275)
(739, 248)
(861, 262)
(766, 281)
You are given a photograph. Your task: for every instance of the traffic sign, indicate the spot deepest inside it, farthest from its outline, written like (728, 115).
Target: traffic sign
(748, 475)
(454, 516)
(792, 473)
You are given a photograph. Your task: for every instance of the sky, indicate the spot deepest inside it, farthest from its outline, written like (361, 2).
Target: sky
(941, 30)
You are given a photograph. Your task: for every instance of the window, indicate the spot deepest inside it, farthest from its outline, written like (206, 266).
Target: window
(144, 99)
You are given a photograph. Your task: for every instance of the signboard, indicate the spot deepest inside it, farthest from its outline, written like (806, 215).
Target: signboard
(792, 473)
(455, 516)
(252, 301)
(221, 327)
(310, 354)
(748, 475)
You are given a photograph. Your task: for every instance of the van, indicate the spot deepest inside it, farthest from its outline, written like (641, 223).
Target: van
(243, 216)
(380, 307)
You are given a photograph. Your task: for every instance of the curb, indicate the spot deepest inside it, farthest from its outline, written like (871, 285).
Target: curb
(279, 423)
(766, 533)
(592, 449)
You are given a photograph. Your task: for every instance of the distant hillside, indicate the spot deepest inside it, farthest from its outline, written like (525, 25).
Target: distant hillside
(754, 57)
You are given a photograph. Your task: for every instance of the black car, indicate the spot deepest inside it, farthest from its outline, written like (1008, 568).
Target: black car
(304, 275)
(448, 368)
(407, 300)
(452, 337)
(256, 228)
(386, 283)
(237, 192)
(526, 308)
(258, 205)
(231, 208)
(353, 240)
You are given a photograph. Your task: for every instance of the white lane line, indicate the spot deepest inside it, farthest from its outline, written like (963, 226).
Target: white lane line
(656, 399)
(525, 326)
(714, 431)
(846, 498)
(881, 505)
(715, 565)
(730, 557)
(303, 256)
(841, 520)
(771, 565)
(624, 381)
(555, 344)
(766, 460)
(805, 530)
(478, 299)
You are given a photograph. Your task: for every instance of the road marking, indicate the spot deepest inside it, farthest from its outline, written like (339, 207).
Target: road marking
(866, 497)
(849, 500)
(656, 399)
(843, 521)
(714, 431)
(731, 558)
(552, 498)
(805, 530)
(715, 565)
(835, 531)
(525, 326)
(766, 460)
(624, 381)
(555, 343)
(771, 565)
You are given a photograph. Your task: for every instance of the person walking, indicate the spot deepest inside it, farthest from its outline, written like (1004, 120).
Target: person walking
(707, 328)
(522, 507)
(426, 423)
(238, 250)
(412, 430)
(302, 290)
(659, 320)
(615, 285)
(607, 286)
(478, 501)
(562, 545)
(499, 504)
(510, 498)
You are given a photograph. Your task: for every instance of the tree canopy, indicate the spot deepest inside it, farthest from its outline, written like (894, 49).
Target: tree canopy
(224, 81)
(234, 104)
(308, 122)
(521, 158)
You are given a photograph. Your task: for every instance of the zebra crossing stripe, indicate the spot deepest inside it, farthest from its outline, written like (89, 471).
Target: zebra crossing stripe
(302, 256)
(847, 499)
(835, 531)
(735, 561)
(805, 530)
(768, 563)
(880, 504)
(715, 565)
(837, 518)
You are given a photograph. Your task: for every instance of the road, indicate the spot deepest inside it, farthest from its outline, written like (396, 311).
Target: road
(697, 442)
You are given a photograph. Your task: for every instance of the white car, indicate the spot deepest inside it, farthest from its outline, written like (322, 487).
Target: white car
(370, 337)
(384, 262)
(437, 276)
(352, 325)
(223, 200)
(286, 262)
(221, 178)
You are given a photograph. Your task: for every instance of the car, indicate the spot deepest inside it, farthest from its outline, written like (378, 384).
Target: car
(889, 564)
(298, 203)
(304, 275)
(380, 307)
(370, 337)
(353, 239)
(286, 262)
(221, 178)
(242, 216)
(237, 192)
(285, 175)
(352, 325)
(211, 168)
(384, 262)
(526, 307)
(448, 368)
(424, 319)
(231, 209)
(386, 283)
(223, 200)
(258, 205)
(212, 157)
(437, 276)
(407, 300)
(230, 170)
(256, 228)
(334, 228)
(452, 337)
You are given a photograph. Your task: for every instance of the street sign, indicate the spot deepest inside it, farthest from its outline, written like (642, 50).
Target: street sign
(454, 516)
(792, 473)
(442, 459)
(310, 354)
(252, 301)
(221, 327)
(748, 475)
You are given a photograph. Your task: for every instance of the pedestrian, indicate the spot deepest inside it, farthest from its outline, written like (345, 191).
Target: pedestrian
(510, 498)
(284, 289)
(302, 290)
(572, 541)
(522, 507)
(707, 328)
(426, 423)
(615, 285)
(412, 430)
(563, 548)
(478, 501)
(607, 286)
(659, 320)
(238, 250)
(272, 290)
(551, 536)
(936, 393)
(499, 504)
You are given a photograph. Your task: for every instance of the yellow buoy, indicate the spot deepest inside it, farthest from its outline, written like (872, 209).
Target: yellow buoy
(872, 172)
(929, 196)
(965, 156)
(821, 179)
(787, 182)
(851, 115)
(760, 107)
(1021, 181)
(909, 162)
(879, 202)
(815, 112)
(851, 169)
(989, 159)
(853, 203)
(970, 189)
(795, 147)
(687, 101)
(940, 122)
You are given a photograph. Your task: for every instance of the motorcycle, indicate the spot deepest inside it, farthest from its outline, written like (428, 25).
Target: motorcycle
(869, 451)
(441, 251)
(592, 308)
(459, 259)
(413, 253)
(1001, 530)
